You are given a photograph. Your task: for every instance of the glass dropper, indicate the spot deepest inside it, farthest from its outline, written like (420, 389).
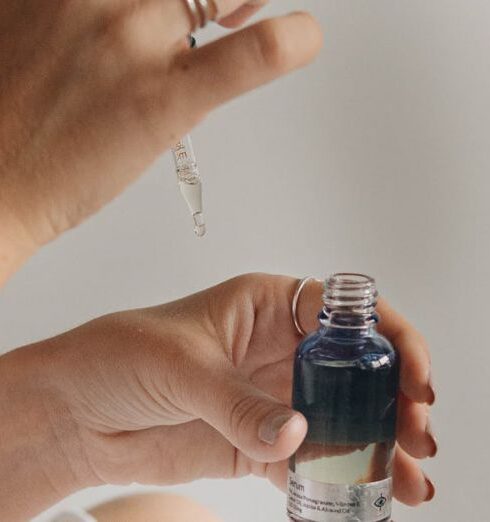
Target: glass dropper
(188, 176)
(190, 183)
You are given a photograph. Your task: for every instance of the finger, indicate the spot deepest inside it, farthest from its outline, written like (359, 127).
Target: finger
(410, 485)
(414, 353)
(241, 15)
(277, 474)
(228, 7)
(414, 431)
(222, 70)
(263, 428)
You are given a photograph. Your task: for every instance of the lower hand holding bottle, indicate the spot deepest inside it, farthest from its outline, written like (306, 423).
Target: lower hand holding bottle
(200, 387)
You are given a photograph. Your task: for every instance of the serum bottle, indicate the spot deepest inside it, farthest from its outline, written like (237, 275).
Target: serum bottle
(345, 384)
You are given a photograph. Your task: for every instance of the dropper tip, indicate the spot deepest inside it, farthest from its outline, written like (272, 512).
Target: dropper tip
(199, 225)
(200, 230)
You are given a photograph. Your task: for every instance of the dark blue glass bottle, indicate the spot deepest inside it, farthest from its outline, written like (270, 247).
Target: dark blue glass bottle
(345, 384)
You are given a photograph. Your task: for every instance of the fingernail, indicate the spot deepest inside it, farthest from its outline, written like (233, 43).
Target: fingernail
(272, 426)
(431, 490)
(432, 393)
(433, 440)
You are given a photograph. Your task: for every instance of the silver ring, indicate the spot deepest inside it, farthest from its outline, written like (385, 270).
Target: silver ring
(294, 305)
(194, 12)
(201, 12)
(204, 11)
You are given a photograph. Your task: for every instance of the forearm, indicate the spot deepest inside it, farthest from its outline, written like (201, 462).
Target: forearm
(41, 460)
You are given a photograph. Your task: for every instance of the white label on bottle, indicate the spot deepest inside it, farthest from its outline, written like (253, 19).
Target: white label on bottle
(319, 502)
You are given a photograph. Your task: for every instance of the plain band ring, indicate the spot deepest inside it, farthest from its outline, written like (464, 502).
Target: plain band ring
(201, 12)
(294, 305)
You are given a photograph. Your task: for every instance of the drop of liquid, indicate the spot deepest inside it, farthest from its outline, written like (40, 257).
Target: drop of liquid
(199, 225)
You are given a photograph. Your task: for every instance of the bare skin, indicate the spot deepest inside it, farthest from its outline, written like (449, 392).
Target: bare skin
(91, 92)
(195, 388)
(152, 508)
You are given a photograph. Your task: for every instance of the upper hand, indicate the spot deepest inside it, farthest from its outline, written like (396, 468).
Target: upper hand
(92, 92)
(201, 388)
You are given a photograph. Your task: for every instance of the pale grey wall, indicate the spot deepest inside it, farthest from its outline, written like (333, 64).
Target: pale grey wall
(374, 159)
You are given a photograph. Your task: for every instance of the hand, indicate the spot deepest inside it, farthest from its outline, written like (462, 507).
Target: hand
(92, 92)
(201, 388)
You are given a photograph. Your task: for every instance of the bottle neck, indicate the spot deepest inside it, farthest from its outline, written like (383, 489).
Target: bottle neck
(349, 304)
(347, 327)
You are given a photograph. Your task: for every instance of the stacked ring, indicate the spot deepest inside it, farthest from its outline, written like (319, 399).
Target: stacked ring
(201, 12)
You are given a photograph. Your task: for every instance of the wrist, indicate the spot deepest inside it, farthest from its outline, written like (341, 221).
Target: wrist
(42, 459)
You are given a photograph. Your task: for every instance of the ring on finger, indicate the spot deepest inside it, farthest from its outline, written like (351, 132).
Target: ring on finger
(201, 12)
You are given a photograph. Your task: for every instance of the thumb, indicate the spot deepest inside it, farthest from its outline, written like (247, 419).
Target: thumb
(257, 424)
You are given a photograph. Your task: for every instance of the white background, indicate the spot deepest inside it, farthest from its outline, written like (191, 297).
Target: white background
(375, 159)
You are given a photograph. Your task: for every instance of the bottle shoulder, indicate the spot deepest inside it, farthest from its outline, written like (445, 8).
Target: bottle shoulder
(346, 348)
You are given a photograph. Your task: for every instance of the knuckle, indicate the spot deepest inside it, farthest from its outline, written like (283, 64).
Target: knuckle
(251, 288)
(243, 411)
(271, 48)
(114, 39)
(119, 43)
(251, 279)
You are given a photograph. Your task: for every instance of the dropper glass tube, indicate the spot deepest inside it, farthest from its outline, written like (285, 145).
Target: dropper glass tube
(188, 175)
(190, 182)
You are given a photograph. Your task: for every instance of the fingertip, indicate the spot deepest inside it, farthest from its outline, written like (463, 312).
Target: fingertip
(432, 395)
(295, 431)
(287, 441)
(411, 486)
(306, 30)
(315, 29)
(415, 435)
(431, 489)
(290, 438)
(283, 44)
(416, 392)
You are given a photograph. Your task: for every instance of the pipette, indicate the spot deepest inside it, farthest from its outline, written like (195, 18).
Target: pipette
(188, 176)
(190, 183)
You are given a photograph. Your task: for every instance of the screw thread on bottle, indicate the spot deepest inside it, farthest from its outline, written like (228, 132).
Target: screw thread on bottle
(350, 300)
